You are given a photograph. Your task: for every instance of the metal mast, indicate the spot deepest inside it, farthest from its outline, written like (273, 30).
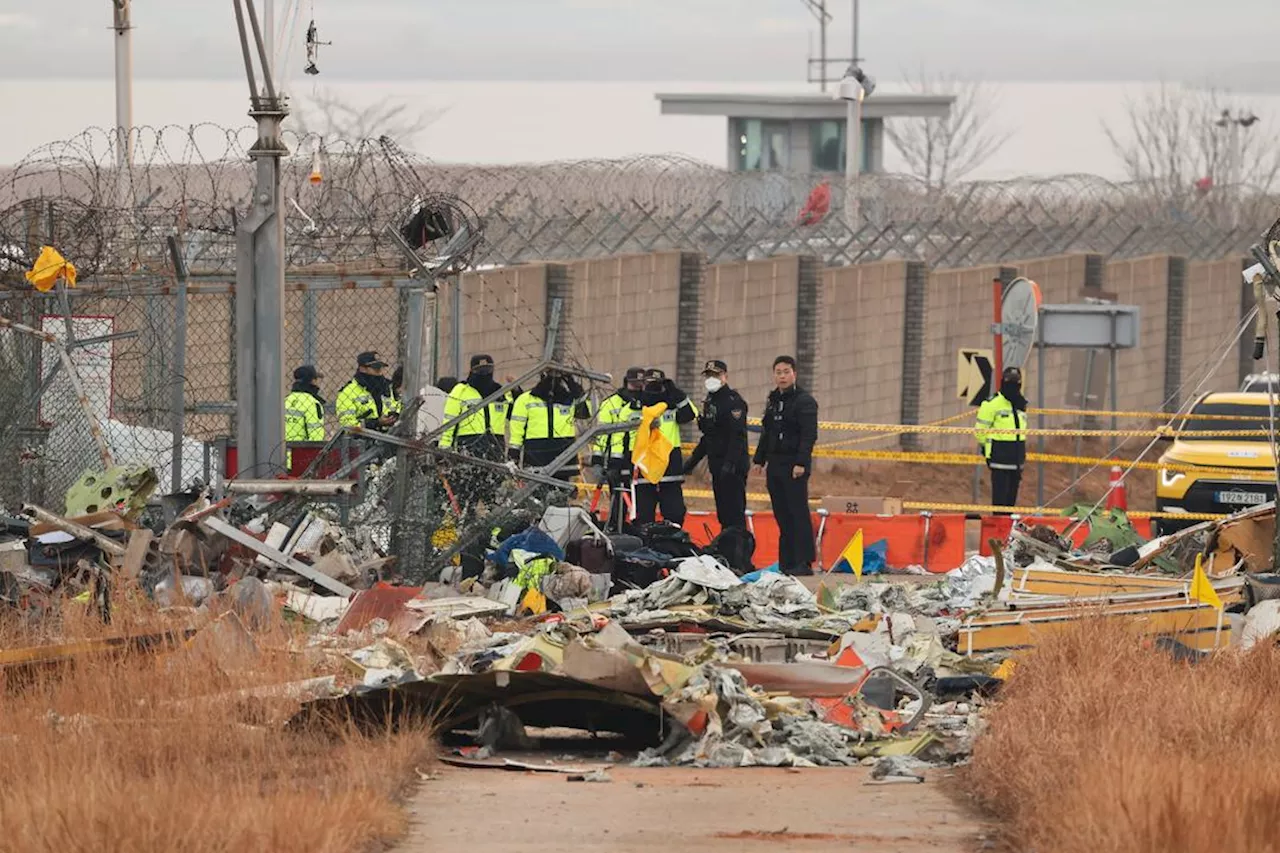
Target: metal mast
(122, 23)
(260, 269)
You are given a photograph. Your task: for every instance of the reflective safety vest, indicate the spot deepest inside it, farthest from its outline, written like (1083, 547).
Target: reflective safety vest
(999, 431)
(616, 447)
(303, 417)
(533, 419)
(668, 425)
(491, 420)
(356, 405)
(392, 405)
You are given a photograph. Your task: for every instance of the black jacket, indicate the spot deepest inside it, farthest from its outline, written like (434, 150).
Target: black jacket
(723, 421)
(790, 427)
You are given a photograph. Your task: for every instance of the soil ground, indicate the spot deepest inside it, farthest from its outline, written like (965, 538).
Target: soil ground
(686, 809)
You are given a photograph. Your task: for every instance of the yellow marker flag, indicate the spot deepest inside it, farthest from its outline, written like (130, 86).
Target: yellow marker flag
(1201, 590)
(652, 452)
(852, 554)
(50, 267)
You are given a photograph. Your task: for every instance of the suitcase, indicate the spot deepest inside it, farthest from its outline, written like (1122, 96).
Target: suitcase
(591, 553)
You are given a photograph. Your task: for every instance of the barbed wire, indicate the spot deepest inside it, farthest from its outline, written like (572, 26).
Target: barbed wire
(196, 182)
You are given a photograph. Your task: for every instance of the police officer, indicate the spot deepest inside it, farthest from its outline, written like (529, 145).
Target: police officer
(668, 493)
(785, 454)
(611, 455)
(482, 434)
(304, 407)
(362, 401)
(724, 443)
(1001, 440)
(542, 423)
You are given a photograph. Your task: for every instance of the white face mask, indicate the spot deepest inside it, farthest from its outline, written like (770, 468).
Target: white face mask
(713, 384)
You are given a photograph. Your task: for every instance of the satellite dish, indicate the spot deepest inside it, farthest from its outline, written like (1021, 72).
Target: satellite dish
(1019, 315)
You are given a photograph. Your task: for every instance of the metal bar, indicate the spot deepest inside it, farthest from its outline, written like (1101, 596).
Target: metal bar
(456, 328)
(310, 325)
(413, 343)
(235, 534)
(503, 389)
(248, 56)
(95, 428)
(178, 401)
(553, 330)
(487, 523)
(1040, 372)
(71, 528)
(291, 487)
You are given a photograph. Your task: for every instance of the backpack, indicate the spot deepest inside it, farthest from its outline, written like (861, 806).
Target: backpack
(734, 546)
(668, 538)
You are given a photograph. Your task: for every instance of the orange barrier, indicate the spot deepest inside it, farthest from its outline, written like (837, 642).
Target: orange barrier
(998, 526)
(905, 535)
(906, 538)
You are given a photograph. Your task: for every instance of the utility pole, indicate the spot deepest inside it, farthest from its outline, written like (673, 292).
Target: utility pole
(260, 269)
(122, 23)
(1234, 125)
(854, 87)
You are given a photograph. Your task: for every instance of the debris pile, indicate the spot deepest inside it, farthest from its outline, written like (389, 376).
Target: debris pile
(551, 624)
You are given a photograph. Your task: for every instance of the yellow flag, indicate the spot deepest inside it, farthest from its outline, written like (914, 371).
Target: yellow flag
(852, 554)
(652, 451)
(50, 267)
(1201, 590)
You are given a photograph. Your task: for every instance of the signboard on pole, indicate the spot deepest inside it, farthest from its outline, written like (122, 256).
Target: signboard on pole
(973, 375)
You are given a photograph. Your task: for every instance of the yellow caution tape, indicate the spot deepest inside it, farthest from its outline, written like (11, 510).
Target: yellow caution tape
(894, 429)
(1049, 458)
(1107, 413)
(1046, 511)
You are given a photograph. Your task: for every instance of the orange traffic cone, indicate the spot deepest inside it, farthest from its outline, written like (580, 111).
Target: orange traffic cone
(1117, 497)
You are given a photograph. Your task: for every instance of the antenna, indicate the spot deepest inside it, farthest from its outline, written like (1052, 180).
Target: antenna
(819, 10)
(818, 66)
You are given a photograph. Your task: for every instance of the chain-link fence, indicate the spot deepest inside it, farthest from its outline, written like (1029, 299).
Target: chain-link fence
(156, 356)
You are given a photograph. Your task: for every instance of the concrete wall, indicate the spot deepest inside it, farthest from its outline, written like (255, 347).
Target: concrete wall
(958, 315)
(749, 317)
(627, 312)
(1144, 282)
(861, 333)
(504, 313)
(1213, 312)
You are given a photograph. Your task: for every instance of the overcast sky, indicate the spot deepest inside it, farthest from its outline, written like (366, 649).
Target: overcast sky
(671, 39)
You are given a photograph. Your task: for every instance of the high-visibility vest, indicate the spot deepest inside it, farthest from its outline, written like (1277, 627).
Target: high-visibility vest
(303, 417)
(392, 405)
(617, 446)
(356, 405)
(533, 418)
(999, 431)
(667, 424)
(492, 419)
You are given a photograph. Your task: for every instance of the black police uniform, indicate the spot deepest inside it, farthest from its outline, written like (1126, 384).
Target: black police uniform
(789, 434)
(723, 422)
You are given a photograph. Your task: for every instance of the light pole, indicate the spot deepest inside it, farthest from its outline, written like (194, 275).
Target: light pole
(1235, 155)
(854, 86)
(122, 23)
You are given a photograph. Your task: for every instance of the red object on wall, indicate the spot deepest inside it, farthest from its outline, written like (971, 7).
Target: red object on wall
(817, 206)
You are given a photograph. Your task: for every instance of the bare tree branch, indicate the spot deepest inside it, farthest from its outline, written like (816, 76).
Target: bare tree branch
(1174, 136)
(333, 119)
(941, 151)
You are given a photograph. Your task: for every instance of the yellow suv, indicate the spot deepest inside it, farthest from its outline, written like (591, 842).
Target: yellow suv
(1218, 491)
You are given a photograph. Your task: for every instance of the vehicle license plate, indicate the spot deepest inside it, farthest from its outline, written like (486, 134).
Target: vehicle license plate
(1241, 498)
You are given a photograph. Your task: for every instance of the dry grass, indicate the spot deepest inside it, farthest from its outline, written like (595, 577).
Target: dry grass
(144, 752)
(1103, 744)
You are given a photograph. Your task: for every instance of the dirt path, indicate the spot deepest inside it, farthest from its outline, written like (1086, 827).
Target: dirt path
(677, 810)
